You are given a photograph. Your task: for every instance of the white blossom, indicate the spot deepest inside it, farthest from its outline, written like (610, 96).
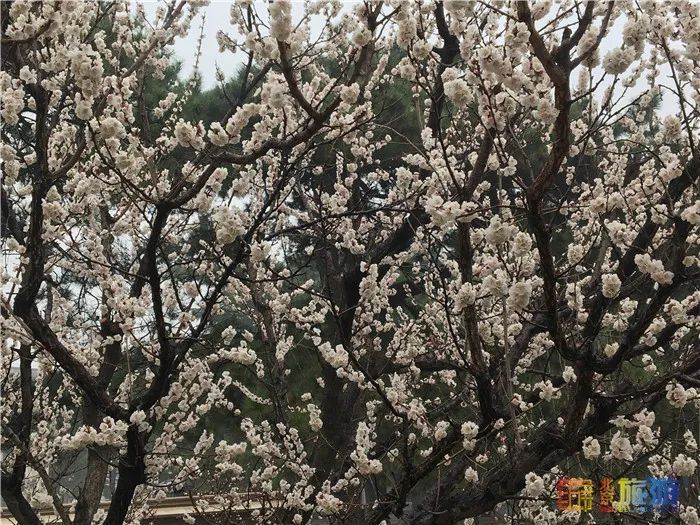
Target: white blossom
(684, 466)
(591, 448)
(111, 127)
(611, 285)
(569, 375)
(620, 447)
(471, 475)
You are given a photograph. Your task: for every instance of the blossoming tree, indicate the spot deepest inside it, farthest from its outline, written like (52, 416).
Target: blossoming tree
(274, 312)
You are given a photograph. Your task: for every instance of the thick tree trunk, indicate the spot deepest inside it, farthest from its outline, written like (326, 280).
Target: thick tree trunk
(132, 472)
(17, 504)
(95, 474)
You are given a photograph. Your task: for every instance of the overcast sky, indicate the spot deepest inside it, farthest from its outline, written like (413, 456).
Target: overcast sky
(218, 19)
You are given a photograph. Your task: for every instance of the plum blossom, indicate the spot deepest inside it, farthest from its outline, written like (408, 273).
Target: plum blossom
(111, 127)
(569, 375)
(188, 136)
(499, 232)
(611, 285)
(591, 448)
(534, 485)
(620, 447)
(677, 395)
(547, 390)
(336, 357)
(217, 135)
(618, 60)
(689, 515)
(519, 295)
(281, 16)
(522, 244)
(458, 91)
(654, 268)
(684, 466)
(471, 475)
